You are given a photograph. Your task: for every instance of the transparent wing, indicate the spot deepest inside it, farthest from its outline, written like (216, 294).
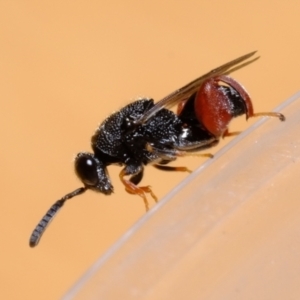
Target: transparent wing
(186, 91)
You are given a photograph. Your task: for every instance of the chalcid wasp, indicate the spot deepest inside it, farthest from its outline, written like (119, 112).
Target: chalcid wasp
(144, 132)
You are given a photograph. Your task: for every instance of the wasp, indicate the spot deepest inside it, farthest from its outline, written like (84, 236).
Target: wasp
(144, 132)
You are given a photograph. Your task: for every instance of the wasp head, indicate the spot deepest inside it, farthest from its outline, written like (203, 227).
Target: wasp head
(92, 172)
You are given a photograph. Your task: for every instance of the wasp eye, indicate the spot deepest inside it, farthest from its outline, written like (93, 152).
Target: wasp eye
(86, 168)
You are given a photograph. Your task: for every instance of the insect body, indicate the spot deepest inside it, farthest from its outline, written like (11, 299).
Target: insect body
(145, 132)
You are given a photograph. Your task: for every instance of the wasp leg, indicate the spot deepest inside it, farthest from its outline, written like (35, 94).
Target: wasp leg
(137, 178)
(132, 188)
(171, 168)
(280, 116)
(227, 133)
(172, 154)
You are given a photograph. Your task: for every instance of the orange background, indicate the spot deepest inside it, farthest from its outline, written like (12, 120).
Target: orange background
(65, 66)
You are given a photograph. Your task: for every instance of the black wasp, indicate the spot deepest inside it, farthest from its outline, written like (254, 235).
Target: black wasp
(144, 132)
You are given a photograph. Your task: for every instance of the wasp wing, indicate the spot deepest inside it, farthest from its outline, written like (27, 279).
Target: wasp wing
(186, 91)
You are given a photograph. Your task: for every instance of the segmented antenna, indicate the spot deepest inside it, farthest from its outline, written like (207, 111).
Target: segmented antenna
(45, 221)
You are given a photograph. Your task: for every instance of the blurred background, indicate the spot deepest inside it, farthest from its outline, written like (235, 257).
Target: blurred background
(65, 66)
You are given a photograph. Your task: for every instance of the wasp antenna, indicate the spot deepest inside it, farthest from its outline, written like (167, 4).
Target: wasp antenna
(47, 218)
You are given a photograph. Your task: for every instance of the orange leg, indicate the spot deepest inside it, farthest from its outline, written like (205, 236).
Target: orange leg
(227, 133)
(131, 188)
(171, 168)
(186, 153)
(178, 153)
(280, 116)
